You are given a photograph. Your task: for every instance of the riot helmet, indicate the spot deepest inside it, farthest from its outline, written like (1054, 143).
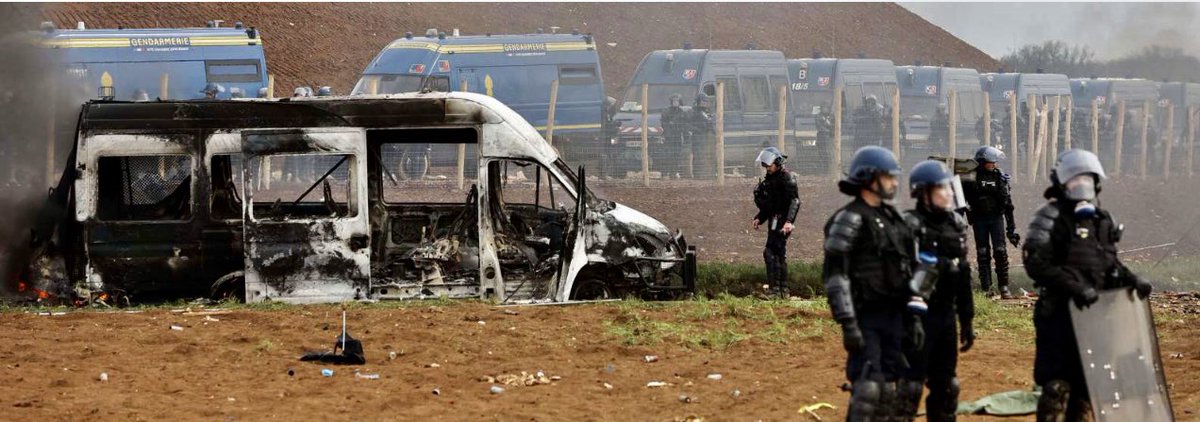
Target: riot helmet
(927, 175)
(262, 92)
(865, 167)
(703, 99)
(236, 92)
(676, 100)
(871, 101)
(770, 155)
(212, 89)
(1071, 173)
(324, 91)
(988, 154)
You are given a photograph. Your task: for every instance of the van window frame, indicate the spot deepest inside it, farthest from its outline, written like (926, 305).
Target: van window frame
(592, 79)
(191, 189)
(732, 96)
(765, 104)
(209, 76)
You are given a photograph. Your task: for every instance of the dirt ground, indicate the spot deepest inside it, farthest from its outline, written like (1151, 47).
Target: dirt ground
(717, 219)
(234, 365)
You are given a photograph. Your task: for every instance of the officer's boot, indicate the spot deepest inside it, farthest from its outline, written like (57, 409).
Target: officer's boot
(910, 399)
(781, 275)
(1002, 272)
(1052, 406)
(889, 403)
(864, 401)
(942, 403)
(983, 255)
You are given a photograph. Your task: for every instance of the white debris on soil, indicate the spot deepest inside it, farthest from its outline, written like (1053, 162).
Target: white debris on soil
(650, 358)
(714, 376)
(176, 328)
(433, 365)
(104, 377)
(497, 390)
(656, 384)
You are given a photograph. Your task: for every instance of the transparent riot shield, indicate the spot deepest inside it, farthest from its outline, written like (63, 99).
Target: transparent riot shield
(1118, 346)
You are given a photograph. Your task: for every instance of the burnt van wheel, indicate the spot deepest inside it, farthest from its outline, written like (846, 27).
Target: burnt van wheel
(229, 288)
(591, 289)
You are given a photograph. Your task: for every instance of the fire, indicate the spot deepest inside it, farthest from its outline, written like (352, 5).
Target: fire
(41, 294)
(103, 297)
(21, 286)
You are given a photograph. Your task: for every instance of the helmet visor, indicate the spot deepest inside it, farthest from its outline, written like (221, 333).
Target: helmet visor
(767, 157)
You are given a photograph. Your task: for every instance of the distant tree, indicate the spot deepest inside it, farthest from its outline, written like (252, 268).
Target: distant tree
(1154, 62)
(1051, 57)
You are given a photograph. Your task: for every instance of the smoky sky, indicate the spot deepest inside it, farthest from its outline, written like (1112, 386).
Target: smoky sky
(1112, 30)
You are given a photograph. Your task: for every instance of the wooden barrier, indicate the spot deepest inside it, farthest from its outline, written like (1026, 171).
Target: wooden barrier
(1170, 140)
(781, 137)
(646, 133)
(1038, 155)
(164, 83)
(987, 120)
(1096, 128)
(835, 168)
(460, 172)
(1145, 131)
(550, 113)
(1120, 138)
(1067, 132)
(952, 133)
(1054, 116)
(51, 135)
(1031, 141)
(896, 123)
(271, 86)
(1014, 146)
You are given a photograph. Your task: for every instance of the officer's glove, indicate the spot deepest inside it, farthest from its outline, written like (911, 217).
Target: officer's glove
(916, 333)
(967, 338)
(1142, 286)
(1086, 297)
(1014, 238)
(852, 336)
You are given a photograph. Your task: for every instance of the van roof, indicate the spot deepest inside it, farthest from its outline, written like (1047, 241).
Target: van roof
(1114, 89)
(1024, 84)
(1180, 93)
(860, 70)
(497, 42)
(672, 66)
(943, 78)
(84, 38)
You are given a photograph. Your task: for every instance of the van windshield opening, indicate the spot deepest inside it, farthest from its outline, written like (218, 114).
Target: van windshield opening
(388, 84)
(659, 95)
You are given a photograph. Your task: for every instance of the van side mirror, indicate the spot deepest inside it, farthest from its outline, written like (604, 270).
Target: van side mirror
(710, 90)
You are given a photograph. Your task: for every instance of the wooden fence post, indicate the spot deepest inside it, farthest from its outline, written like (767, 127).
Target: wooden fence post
(550, 113)
(1055, 116)
(271, 86)
(1070, 108)
(952, 133)
(1031, 142)
(720, 122)
(164, 83)
(1095, 127)
(1039, 153)
(462, 149)
(987, 120)
(1170, 140)
(1014, 146)
(646, 134)
(1120, 138)
(1145, 132)
(1191, 139)
(782, 122)
(835, 168)
(51, 122)
(896, 122)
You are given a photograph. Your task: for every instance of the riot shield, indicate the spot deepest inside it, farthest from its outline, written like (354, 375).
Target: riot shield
(1118, 346)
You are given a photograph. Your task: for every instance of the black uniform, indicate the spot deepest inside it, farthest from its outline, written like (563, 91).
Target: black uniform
(824, 124)
(700, 129)
(868, 125)
(778, 200)
(868, 264)
(675, 127)
(991, 216)
(942, 233)
(1069, 259)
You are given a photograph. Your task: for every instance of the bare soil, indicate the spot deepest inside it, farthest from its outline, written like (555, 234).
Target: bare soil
(235, 366)
(717, 218)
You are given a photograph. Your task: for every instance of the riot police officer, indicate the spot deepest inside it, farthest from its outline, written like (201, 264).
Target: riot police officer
(942, 242)
(991, 217)
(1070, 254)
(778, 202)
(867, 271)
(701, 129)
(868, 122)
(674, 121)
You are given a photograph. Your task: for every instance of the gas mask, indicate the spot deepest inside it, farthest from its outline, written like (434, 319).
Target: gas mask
(1082, 188)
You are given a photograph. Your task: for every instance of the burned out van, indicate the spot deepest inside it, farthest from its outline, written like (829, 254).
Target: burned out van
(195, 198)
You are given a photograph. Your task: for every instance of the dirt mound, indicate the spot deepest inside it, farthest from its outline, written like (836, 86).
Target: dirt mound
(329, 44)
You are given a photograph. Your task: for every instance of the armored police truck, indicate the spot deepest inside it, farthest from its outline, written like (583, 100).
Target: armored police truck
(867, 87)
(183, 198)
(1001, 87)
(518, 70)
(142, 64)
(1141, 99)
(751, 78)
(924, 105)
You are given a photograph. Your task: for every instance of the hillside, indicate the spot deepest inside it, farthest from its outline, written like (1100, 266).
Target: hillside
(328, 44)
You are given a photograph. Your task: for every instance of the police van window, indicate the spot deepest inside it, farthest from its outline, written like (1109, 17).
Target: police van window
(438, 84)
(659, 95)
(232, 71)
(388, 84)
(577, 74)
(733, 96)
(776, 82)
(141, 188)
(307, 185)
(756, 94)
(225, 184)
